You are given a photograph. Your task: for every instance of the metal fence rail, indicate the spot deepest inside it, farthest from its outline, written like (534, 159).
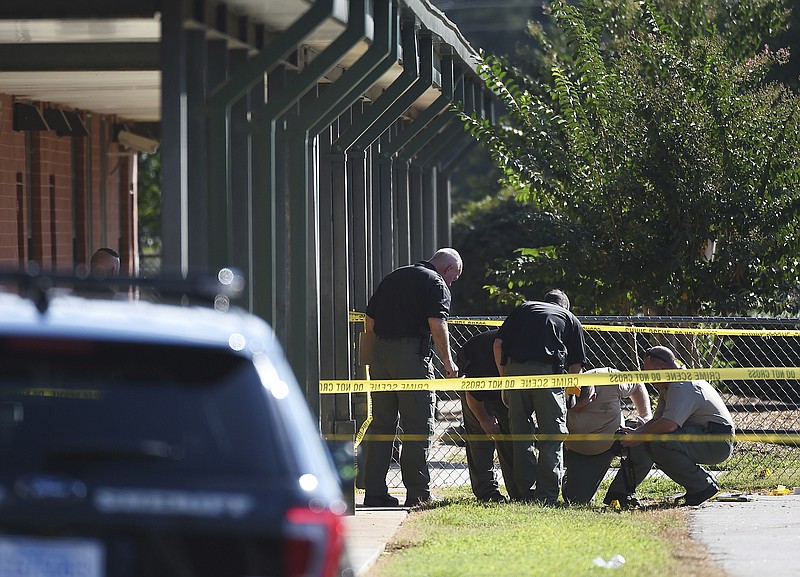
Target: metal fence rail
(766, 412)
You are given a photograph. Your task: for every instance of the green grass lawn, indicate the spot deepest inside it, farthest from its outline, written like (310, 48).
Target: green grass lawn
(465, 538)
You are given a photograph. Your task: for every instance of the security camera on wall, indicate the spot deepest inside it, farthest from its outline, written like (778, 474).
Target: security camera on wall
(137, 142)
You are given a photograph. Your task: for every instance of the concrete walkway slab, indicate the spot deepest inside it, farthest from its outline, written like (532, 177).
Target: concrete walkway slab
(757, 538)
(368, 531)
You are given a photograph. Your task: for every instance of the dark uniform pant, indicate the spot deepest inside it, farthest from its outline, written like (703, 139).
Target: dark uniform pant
(679, 459)
(399, 359)
(480, 452)
(584, 473)
(536, 478)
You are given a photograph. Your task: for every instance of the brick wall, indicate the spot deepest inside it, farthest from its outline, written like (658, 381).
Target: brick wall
(68, 195)
(12, 167)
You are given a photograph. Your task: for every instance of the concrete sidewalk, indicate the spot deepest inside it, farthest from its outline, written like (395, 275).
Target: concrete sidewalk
(757, 538)
(369, 530)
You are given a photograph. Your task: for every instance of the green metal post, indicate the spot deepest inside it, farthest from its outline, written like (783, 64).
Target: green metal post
(434, 128)
(219, 104)
(426, 116)
(263, 121)
(303, 341)
(397, 97)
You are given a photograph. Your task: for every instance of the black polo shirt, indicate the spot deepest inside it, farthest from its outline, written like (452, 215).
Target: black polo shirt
(406, 298)
(539, 331)
(476, 356)
(476, 359)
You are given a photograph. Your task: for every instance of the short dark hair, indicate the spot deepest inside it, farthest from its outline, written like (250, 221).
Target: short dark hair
(662, 353)
(557, 297)
(107, 250)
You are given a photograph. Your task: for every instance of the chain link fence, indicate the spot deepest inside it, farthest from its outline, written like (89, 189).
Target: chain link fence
(766, 412)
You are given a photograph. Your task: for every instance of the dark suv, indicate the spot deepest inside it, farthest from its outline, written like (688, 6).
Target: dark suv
(144, 440)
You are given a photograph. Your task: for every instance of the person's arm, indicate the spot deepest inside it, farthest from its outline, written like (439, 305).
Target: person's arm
(655, 427)
(497, 349)
(487, 420)
(369, 324)
(575, 368)
(641, 400)
(584, 399)
(441, 336)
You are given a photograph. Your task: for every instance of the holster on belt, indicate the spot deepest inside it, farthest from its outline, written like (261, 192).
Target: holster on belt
(425, 346)
(560, 363)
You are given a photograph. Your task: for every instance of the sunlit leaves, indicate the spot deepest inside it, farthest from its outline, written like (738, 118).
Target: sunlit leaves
(649, 137)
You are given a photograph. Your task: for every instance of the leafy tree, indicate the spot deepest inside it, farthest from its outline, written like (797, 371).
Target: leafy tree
(149, 204)
(664, 164)
(488, 231)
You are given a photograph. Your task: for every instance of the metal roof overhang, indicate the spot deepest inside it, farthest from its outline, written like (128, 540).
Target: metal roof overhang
(105, 57)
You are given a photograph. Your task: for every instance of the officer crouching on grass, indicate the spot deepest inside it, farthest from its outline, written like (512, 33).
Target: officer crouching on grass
(598, 411)
(685, 407)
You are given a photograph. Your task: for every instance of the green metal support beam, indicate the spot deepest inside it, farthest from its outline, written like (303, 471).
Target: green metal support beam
(433, 128)
(461, 140)
(218, 105)
(427, 115)
(447, 163)
(453, 132)
(333, 191)
(403, 92)
(421, 181)
(303, 339)
(253, 72)
(197, 69)
(240, 179)
(444, 210)
(376, 61)
(264, 121)
(335, 241)
(174, 131)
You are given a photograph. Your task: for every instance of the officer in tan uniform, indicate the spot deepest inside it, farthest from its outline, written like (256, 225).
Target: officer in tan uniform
(687, 407)
(598, 411)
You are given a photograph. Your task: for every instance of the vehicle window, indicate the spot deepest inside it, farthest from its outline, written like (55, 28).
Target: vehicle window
(68, 405)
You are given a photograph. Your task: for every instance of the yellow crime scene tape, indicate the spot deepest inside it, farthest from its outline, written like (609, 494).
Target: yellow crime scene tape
(367, 422)
(327, 387)
(566, 381)
(775, 438)
(358, 317)
(689, 331)
(572, 382)
(788, 438)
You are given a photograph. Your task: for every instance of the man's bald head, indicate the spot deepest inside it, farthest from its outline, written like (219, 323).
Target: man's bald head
(104, 264)
(448, 264)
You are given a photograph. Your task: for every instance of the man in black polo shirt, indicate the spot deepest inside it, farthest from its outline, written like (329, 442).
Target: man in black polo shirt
(408, 309)
(485, 414)
(539, 338)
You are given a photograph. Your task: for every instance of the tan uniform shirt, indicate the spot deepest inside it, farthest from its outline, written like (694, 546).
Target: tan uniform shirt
(692, 403)
(603, 415)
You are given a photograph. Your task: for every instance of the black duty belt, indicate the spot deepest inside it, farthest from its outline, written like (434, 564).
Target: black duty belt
(719, 428)
(401, 339)
(529, 362)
